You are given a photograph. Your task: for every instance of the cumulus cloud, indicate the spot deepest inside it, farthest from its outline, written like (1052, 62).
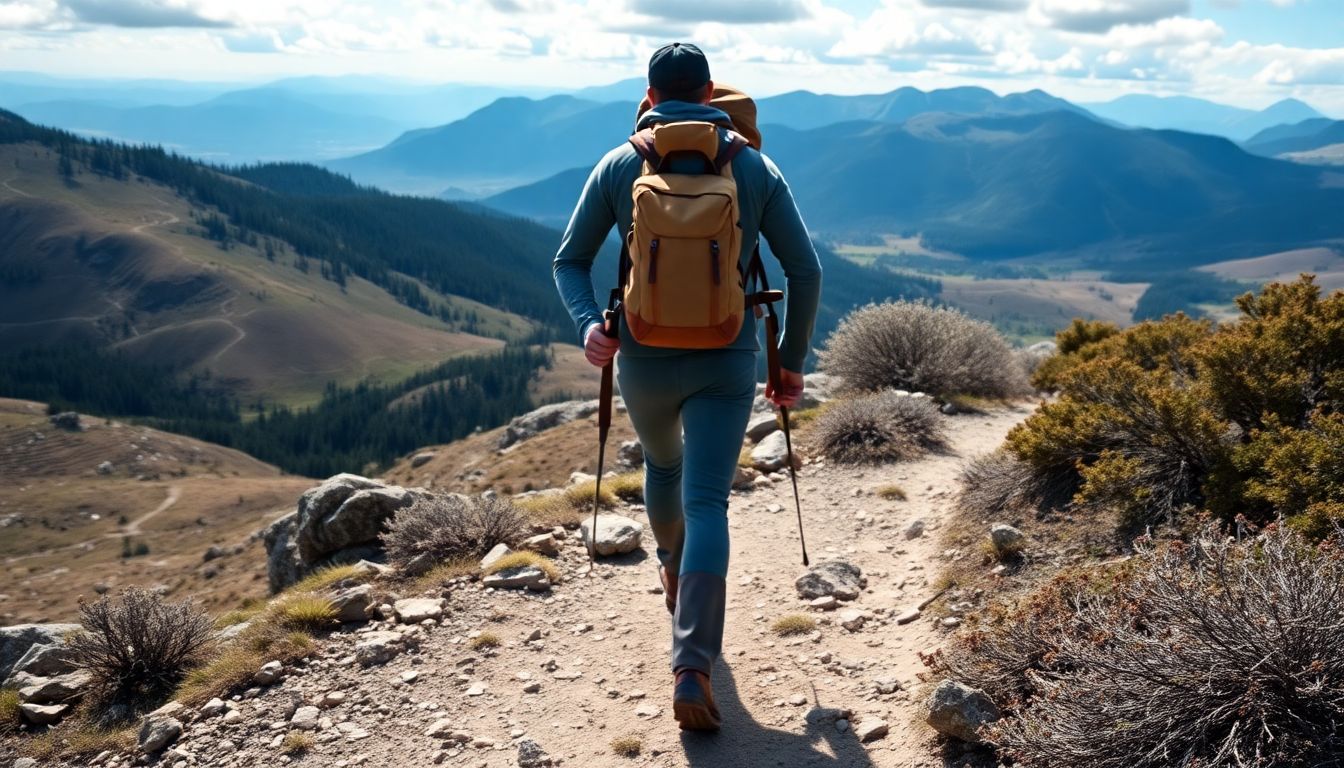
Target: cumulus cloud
(754, 12)
(978, 5)
(1099, 16)
(142, 13)
(29, 14)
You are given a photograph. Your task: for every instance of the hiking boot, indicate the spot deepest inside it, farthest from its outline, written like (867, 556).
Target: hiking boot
(669, 589)
(693, 702)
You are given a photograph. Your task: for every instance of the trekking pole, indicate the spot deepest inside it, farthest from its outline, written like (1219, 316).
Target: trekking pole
(603, 427)
(776, 382)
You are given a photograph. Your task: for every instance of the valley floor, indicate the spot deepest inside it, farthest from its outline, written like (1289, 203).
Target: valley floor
(600, 649)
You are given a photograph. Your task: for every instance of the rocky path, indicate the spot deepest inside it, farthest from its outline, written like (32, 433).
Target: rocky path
(586, 663)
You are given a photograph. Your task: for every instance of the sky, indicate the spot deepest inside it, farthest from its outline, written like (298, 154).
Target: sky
(1244, 52)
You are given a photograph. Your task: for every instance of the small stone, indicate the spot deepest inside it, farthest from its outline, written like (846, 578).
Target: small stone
(648, 711)
(959, 711)
(852, 620)
(476, 690)
(499, 551)
(519, 577)
(835, 578)
(269, 673)
(441, 729)
(43, 714)
(158, 732)
(531, 755)
(915, 529)
(421, 459)
(544, 543)
(532, 687)
(616, 534)
(416, 609)
(305, 718)
(907, 616)
(1006, 538)
(842, 726)
(331, 699)
(825, 603)
(213, 708)
(797, 699)
(410, 676)
(871, 729)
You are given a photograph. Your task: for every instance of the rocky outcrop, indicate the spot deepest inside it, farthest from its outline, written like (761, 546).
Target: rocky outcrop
(337, 522)
(544, 418)
(16, 641)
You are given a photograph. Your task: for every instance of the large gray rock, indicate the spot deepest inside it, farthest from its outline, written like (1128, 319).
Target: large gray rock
(835, 578)
(43, 660)
(518, 577)
(959, 711)
(16, 640)
(353, 604)
(616, 534)
(336, 523)
(56, 690)
(762, 426)
(772, 453)
(544, 418)
(43, 714)
(414, 610)
(158, 732)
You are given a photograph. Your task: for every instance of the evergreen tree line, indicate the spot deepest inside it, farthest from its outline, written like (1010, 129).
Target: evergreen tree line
(1180, 291)
(498, 261)
(351, 429)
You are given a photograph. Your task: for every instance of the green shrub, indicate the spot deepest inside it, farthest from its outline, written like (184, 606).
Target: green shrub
(877, 428)
(919, 347)
(9, 710)
(1073, 344)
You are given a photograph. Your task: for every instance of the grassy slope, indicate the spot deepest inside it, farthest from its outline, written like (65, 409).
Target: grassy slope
(59, 551)
(273, 329)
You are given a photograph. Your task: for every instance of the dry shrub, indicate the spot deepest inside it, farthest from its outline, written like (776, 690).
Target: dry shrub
(137, 646)
(793, 624)
(485, 641)
(304, 611)
(627, 746)
(297, 743)
(922, 348)
(333, 577)
(877, 428)
(445, 527)
(892, 492)
(1216, 652)
(999, 485)
(233, 669)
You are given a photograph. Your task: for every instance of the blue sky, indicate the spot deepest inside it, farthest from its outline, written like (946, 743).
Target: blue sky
(1247, 52)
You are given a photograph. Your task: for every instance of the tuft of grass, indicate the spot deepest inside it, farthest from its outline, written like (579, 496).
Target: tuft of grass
(627, 746)
(233, 669)
(463, 565)
(793, 624)
(303, 611)
(324, 579)
(515, 559)
(485, 640)
(744, 457)
(240, 615)
(77, 739)
(9, 710)
(628, 486)
(552, 509)
(892, 492)
(296, 743)
(972, 404)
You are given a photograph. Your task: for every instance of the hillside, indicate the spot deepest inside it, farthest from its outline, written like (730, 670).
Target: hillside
(1186, 113)
(804, 110)
(67, 524)
(1304, 137)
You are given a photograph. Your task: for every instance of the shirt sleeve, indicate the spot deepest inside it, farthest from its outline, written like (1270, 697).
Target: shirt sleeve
(589, 225)
(782, 225)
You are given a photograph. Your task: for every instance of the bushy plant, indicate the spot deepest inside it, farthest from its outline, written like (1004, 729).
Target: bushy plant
(9, 710)
(877, 428)
(1076, 343)
(138, 646)
(1218, 652)
(450, 526)
(918, 347)
(1179, 415)
(1000, 485)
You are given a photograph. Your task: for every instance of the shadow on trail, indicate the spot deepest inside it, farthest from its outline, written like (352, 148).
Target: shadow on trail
(745, 743)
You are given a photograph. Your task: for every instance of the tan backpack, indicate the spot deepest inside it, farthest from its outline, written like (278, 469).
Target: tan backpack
(681, 284)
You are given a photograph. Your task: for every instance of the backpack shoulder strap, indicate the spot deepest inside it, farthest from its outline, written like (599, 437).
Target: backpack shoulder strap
(642, 141)
(736, 143)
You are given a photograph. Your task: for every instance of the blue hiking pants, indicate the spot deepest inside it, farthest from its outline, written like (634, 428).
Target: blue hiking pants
(690, 412)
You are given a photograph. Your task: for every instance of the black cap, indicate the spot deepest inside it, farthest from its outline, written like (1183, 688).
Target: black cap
(678, 68)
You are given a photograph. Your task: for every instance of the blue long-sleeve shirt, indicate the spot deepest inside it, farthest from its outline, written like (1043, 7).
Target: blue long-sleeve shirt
(767, 209)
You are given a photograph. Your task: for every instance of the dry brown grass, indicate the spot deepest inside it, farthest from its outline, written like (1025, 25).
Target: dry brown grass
(324, 579)
(305, 611)
(76, 739)
(516, 559)
(793, 624)
(444, 572)
(9, 710)
(297, 743)
(568, 507)
(234, 667)
(627, 746)
(892, 492)
(485, 641)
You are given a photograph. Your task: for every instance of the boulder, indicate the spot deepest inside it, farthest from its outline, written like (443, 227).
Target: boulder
(544, 418)
(283, 565)
(43, 714)
(616, 535)
(837, 578)
(1006, 538)
(15, 641)
(67, 420)
(421, 459)
(414, 610)
(353, 604)
(761, 426)
(45, 660)
(518, 577)
(56, 690)
(772, 453)
(631, 453)
(959, 711)
(158, 732)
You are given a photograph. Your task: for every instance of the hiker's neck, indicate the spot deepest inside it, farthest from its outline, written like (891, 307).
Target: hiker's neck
(656, 97)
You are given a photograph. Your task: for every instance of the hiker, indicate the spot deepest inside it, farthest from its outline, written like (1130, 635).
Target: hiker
(687, 370)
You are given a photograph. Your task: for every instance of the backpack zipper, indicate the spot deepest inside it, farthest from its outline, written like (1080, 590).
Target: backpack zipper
(653, 261)
(714, 260)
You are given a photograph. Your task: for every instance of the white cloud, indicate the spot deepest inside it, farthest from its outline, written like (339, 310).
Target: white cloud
(1097, 16)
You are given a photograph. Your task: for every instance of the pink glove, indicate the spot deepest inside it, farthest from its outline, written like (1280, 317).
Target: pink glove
(790, 389)
(598, 347)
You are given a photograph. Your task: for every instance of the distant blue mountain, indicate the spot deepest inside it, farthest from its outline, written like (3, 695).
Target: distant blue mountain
(804, 110)
(1305, 136)
(236, 127)
(1185, 113)
(1008, 186)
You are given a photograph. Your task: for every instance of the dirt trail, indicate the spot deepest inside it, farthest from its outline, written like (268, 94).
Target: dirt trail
(609, 635)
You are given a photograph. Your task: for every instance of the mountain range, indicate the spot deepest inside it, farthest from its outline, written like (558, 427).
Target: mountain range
(1307, 136)
(1185, 113)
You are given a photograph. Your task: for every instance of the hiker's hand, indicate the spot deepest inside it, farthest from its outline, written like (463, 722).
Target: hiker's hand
(598, 347)
(790, 389)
